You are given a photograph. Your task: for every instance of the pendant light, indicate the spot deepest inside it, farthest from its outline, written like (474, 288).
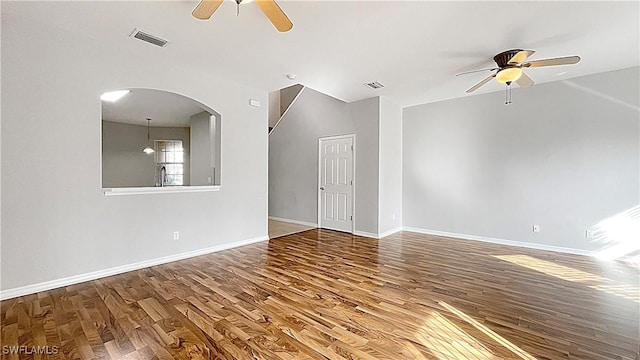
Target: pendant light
(148, 149)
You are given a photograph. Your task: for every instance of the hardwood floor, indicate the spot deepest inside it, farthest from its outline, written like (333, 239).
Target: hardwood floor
(328, 295)
(282, 228)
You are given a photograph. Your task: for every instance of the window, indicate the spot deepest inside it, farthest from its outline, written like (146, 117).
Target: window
(169, 162)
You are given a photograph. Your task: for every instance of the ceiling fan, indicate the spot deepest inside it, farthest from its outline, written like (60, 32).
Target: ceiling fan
(510, 64)
(206, 8)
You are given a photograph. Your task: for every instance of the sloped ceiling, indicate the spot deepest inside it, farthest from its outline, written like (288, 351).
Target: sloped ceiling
(413, 47)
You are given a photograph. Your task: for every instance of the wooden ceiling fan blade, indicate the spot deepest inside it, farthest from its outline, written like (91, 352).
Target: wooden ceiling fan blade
(520, 57)
(567, 60)
(478, 85)
(524, 81)
(475, 71)
(205, 9)
(275, 15)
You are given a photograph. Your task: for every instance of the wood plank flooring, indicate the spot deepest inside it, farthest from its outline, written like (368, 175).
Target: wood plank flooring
(281, 228)
(327, 295)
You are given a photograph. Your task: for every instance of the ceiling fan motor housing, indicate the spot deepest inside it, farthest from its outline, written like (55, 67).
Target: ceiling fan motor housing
(503, 58)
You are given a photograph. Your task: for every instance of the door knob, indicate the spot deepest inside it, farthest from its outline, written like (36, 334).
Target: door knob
(321, 187)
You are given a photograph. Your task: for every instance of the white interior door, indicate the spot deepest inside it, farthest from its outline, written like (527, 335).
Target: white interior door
(335, 194)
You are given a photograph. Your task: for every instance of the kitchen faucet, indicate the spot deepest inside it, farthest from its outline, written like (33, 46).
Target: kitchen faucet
(163, 176)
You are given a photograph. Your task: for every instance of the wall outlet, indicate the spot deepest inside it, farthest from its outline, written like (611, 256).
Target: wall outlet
(589, 234)
(393, 216)
(176, 235)
(536, 228)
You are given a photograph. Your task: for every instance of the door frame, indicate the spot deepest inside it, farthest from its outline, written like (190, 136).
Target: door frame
(353, 171)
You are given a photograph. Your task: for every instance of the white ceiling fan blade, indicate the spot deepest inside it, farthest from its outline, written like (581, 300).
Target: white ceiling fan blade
(478, 85)
(475, 71)
(524, 81)
(567, 60)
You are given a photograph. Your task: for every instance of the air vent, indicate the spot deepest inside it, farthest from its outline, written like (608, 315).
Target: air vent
(151, 39)
(374, 85)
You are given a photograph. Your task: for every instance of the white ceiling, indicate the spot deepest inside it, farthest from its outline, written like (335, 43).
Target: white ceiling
(163, 108)
(413, 47)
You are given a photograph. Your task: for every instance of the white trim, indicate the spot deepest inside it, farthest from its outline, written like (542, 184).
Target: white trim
(353, 178)
(336, 137)
(365, 234)
(378, 236)
(287, 109)
(52, 284)
(501, 241)
(158, 190)
(390, 232)
(293, 221)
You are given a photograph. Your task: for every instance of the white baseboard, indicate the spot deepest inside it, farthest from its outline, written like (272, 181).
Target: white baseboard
(390, 232)
(356, 232)
(293, 221)
(377, 236)
(501, 241)
(52, 284)
(365, 234)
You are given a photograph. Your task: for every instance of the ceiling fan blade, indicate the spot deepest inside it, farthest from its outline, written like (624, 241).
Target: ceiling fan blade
(520, 57)
(275, 15)
(475, 71)
(524, 81)
(205, 9)
(478, 85)
(552, 62)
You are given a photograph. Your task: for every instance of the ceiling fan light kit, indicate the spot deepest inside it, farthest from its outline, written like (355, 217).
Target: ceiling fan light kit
(509, 75)
(270, 8)
(510, 65)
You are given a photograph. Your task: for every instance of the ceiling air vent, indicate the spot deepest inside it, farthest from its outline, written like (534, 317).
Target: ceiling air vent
(374, 85)
(151, 39)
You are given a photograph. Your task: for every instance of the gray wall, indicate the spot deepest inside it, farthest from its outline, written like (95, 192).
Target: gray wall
(201, 149)
(564, 155)
(287, 95)
(293, 157)
(274, 108)
(390, 192)
(56, 222)
(365, 115)
(123, 162)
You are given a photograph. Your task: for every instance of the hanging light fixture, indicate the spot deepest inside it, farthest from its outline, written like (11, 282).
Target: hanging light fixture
(148, 149)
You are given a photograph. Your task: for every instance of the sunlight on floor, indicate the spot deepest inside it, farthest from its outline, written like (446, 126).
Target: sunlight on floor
(574, 275)
(490, 333)
(447, 341)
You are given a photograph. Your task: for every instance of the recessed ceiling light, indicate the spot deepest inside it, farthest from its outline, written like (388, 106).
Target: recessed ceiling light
(113, 96)
(291, 76)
